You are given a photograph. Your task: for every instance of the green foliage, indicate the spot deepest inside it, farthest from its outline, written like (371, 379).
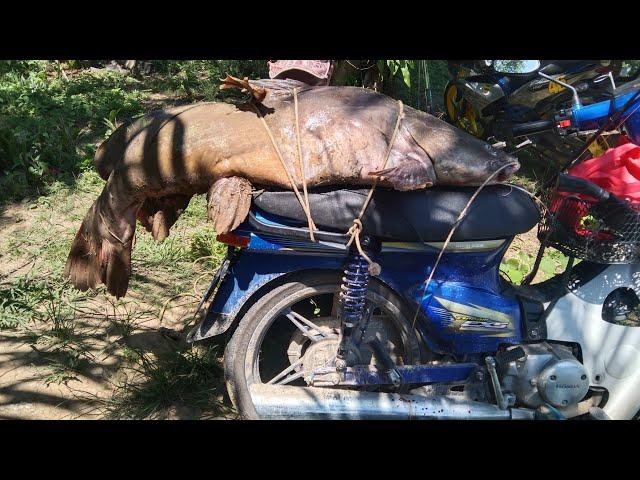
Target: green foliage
(20, 299)
(203, 244)
(516, 268)
(414, 81)
(21, 66)
(27, 300)
(200, 79)
(50, 124)
(401, 68)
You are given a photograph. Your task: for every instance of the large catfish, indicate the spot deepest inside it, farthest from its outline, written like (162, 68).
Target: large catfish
(156, 164)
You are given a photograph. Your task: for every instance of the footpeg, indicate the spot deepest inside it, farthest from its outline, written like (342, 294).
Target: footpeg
(505, 358)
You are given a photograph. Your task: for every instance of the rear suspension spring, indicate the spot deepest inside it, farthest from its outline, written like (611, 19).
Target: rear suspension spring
(353, 291)
(353, 308)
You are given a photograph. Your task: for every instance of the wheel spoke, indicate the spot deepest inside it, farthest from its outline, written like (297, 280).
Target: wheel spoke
(290, 378)
(309, 330)
(285, 371)
(308, 323)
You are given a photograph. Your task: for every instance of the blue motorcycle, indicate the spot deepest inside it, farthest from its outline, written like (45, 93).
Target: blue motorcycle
(490, 98)
(313, 332)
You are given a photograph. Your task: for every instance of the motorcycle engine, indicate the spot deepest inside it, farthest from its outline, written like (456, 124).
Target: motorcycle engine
(547, 374)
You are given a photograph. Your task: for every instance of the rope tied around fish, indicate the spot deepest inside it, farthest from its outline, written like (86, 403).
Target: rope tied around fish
(258, 94)
(356, 228)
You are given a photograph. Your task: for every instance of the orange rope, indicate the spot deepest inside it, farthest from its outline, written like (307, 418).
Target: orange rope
(356, 228)
(286, 169)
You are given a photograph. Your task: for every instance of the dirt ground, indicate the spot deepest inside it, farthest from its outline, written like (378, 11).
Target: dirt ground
(78, 357)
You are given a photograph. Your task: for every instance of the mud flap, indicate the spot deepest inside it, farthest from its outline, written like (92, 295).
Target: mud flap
(196, 333)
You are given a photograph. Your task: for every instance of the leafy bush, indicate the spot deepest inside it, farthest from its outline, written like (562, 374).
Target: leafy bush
(49, 125)
(51, 122)
(200, 79)
(516, 268)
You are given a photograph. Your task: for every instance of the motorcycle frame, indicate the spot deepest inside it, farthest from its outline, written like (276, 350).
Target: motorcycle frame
(467, 282)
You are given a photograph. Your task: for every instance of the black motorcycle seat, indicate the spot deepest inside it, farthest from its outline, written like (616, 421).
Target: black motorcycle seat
(499, 211)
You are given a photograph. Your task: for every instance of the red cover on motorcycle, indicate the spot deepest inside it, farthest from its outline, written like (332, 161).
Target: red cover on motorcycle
(617, 170)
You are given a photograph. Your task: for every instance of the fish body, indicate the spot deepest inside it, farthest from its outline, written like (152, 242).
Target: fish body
(154, 165)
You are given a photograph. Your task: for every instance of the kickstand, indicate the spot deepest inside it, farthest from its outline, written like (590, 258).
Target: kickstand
(504, 401)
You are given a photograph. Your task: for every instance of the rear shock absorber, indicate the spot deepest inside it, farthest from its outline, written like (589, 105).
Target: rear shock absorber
(353, 300)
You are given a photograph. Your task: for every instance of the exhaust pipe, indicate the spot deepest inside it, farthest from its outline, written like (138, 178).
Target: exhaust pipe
(287, 402)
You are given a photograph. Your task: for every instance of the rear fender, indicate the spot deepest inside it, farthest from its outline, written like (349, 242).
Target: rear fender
(247, 279)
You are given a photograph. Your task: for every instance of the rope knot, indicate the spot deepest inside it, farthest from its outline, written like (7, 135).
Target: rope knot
(354, 231)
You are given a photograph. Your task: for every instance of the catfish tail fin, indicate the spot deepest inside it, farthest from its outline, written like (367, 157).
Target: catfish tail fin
(96, 257)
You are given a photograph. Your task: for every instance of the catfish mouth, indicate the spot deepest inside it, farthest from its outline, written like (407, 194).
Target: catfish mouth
(505, 174)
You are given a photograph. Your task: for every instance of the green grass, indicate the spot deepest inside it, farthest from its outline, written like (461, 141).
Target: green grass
(50, 125)
(20, 299)
(62, 324)
(189, 378)
(51, 121)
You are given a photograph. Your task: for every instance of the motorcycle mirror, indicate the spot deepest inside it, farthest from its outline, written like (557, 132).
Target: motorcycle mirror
(516, 66)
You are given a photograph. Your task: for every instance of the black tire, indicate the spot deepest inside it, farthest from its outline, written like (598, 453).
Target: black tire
(240, 348)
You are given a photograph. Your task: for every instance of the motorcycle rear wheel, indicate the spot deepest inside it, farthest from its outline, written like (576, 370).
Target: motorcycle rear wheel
(247, 361)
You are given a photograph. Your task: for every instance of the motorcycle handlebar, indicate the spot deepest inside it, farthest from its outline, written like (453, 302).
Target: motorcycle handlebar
(532, 127)
(569, 183)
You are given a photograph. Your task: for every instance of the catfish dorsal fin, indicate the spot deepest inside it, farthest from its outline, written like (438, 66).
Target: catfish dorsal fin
(232, 82)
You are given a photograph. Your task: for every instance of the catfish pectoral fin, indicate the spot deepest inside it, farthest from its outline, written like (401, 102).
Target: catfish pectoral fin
(229, 203)
(409, 175)
(158, 215)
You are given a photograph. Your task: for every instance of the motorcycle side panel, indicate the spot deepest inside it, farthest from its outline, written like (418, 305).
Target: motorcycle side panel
(611, 352)
(463, 310)
(471, 319)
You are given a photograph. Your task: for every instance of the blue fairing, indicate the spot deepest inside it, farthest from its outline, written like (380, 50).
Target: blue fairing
(464, 311)
(596, 115)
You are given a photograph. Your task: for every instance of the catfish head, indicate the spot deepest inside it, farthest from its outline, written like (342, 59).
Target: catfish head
(457, 157)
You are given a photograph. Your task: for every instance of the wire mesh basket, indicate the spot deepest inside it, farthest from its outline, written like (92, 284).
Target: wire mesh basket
(596, 231)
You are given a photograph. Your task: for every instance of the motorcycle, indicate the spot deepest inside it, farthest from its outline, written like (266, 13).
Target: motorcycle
(311, 332)
(487, 98)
